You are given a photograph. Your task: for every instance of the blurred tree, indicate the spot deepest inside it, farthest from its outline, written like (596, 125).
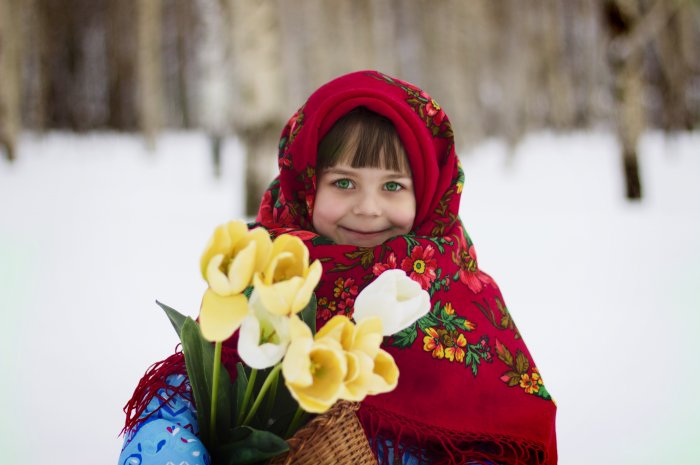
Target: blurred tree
(258, 76)
(501, 68)
(10, 75)
(631, 28)
(215, 92)
(121, 46)
(148, 17)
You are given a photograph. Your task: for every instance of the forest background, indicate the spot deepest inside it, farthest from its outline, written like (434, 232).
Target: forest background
(501, 68)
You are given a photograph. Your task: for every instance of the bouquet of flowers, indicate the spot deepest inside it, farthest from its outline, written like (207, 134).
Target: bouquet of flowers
(265, 290)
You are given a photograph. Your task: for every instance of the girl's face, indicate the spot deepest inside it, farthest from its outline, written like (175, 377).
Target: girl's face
(363, 206)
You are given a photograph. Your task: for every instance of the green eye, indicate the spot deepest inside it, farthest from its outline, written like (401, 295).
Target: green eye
(343, 184)
(392, 186)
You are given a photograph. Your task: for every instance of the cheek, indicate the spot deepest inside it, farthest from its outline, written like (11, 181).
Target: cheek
(325, 212)
(404, 213)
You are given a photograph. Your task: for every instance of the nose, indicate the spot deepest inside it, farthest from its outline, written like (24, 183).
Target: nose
(367, 205)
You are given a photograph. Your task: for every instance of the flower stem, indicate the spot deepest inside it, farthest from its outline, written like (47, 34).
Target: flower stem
(294, 424)
(261, 395)
(270, 404)
(247, 395)
(215, 390)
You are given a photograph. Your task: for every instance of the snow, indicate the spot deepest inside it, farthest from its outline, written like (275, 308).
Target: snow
(93, 229)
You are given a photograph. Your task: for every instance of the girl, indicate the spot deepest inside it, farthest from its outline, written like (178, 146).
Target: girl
(369, 179)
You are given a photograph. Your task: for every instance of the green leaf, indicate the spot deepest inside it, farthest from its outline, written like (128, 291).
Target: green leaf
(177, 319)
(199, 360)
(475, 367)
(430, 319)
(543, 393)
(504, 354)
(239, 387)
(192, 348)
(513, 378)
(308, 314)
(521, 362)
(405, 337)
(250, 446)
(469, 359)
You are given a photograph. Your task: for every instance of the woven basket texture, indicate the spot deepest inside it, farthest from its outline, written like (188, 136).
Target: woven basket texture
(335, 437)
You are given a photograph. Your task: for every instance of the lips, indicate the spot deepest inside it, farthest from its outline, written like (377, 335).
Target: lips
(364, 233)
(364, 238)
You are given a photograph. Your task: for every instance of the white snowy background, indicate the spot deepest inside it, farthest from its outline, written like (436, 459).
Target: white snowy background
(94, 228)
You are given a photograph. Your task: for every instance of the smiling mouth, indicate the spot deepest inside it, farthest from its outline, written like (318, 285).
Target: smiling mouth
(364, 233)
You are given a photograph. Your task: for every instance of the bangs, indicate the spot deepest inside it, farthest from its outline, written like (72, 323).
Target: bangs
(363, 139)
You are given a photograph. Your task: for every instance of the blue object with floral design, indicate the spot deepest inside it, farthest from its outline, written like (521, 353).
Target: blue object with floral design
(169, 435)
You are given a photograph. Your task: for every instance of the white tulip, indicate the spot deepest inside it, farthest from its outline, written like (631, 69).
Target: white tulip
(264, 337)
(395, 298)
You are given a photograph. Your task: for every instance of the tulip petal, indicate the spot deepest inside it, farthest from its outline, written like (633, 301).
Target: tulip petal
(298, 329)
(357, 388)
(296, 366)
(395, 298)
(222, 241)
(277, 261)
(278, 297)
(220, 316)
(263, 247)
(327, 366)
(287, 243)
(241, 269)
(254, 352)
(309, 403)
(368, 336)
(338, 328)
(386, 373)
(310, 282)
(217, 280)
(353, 361)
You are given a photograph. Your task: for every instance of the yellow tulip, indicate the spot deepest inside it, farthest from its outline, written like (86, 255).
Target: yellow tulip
(371, 370)
(314, 372)
(287, 283)
(385, 376)
(233, 255)
(220, 316)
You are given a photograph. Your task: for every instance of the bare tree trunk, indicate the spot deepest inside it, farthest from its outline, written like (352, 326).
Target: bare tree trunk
(621, 18)
(10, 75)
(34, 105)
(258, 75)
(630, 31)
(675, 76)
(560, 92)
(149, 69)
(215, 96)
(183, 12)
(121, 49)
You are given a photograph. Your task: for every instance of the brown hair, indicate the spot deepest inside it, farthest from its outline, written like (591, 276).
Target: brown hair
(364, 139)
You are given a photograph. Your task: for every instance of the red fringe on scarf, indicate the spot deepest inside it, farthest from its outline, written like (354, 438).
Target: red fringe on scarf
(148, 388)
(441, 447)
(153, 384)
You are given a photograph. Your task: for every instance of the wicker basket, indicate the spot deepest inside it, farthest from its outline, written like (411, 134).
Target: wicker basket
(334, 438)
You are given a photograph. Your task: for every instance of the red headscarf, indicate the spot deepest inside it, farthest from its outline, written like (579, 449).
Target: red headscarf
(468, 388)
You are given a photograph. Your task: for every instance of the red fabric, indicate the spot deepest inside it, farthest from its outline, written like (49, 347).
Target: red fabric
(468, 387)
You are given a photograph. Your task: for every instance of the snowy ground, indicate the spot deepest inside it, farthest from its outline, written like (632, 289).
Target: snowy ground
(93, 229)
